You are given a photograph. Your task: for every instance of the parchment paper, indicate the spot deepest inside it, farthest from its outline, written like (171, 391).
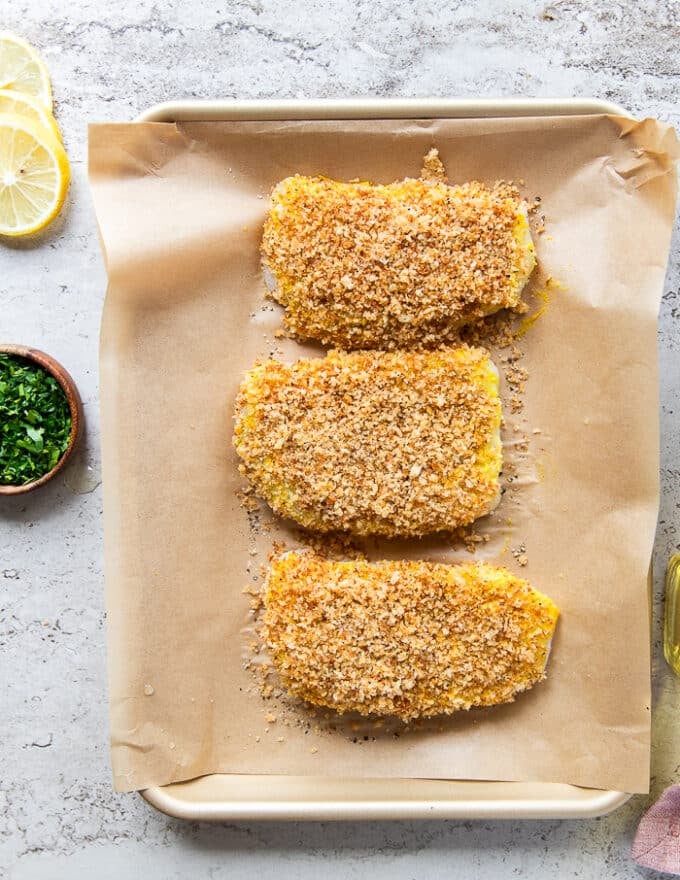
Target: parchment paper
(180, 211)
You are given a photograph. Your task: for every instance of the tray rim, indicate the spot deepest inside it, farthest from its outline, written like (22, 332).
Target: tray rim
(194, 110)
(553, 805)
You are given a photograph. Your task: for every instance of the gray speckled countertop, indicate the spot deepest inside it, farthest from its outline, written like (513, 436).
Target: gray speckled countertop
(109, 60)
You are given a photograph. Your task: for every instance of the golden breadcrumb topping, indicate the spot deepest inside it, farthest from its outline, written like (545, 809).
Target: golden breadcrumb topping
(400, 265)
(395, 444)
(411, 639)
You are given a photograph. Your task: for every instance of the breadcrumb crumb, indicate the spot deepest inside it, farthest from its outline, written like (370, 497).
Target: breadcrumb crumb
(433, 168)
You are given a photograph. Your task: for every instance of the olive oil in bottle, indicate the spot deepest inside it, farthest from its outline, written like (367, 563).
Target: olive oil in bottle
(671, 629)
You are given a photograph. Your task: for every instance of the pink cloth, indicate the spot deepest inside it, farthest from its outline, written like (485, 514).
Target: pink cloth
(657, 842)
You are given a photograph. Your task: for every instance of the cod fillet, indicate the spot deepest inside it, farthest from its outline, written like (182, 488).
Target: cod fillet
(402, 265)
(411, 639)
(374, 443)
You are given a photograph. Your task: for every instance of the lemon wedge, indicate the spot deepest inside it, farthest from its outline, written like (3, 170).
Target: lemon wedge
(28, 107)
(34, 175)
(23, 70)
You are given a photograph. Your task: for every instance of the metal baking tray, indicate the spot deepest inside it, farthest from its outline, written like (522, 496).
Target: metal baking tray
(229, 797)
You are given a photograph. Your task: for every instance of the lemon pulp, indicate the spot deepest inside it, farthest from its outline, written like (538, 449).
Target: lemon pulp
(34, 175)
(23, 70)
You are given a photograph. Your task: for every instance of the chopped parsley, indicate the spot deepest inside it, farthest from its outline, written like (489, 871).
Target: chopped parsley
(35, 421)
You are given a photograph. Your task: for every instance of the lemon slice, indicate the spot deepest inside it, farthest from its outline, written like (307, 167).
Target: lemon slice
(34, 175)
(28, 107)
(23, 70)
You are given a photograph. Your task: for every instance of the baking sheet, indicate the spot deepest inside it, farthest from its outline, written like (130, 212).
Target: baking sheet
(184, 316)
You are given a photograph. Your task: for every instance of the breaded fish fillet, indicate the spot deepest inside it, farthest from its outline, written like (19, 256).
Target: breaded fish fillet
(397, 266)
(398, 443)
(411, 639)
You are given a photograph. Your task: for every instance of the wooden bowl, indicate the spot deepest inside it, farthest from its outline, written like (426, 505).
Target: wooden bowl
(75, 405)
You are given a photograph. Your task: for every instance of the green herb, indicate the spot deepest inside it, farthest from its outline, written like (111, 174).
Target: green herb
(35, 421)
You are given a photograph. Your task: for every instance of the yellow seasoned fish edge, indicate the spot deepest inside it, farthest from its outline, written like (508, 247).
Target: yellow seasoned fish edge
(402, 265)
(410, 639)
(374, 443)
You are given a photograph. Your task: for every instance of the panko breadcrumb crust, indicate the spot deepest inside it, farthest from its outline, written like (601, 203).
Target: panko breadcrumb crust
(402, 265)
(409, 639)
(382, 443)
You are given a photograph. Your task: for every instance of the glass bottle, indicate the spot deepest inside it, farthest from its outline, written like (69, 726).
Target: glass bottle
(671, 627)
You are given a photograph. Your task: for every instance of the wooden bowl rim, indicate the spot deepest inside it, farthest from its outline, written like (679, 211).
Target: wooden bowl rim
(64, 378)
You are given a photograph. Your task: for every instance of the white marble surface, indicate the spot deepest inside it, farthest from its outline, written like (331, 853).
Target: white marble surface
(109, 60)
